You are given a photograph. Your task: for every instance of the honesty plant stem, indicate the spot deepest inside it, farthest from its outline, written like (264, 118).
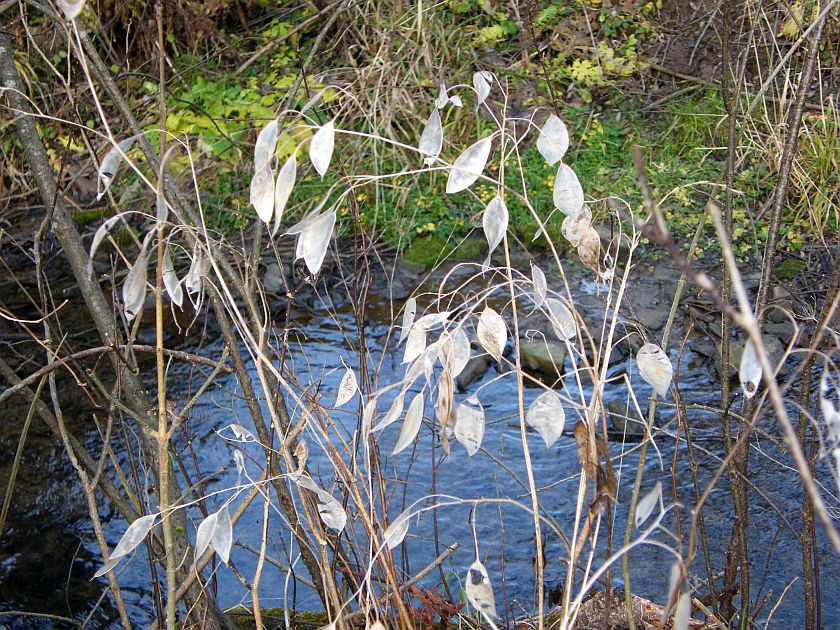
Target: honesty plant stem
(163, 431)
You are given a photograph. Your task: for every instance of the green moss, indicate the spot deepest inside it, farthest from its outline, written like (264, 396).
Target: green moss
(427, 251)
(86, 217)
(274, 618)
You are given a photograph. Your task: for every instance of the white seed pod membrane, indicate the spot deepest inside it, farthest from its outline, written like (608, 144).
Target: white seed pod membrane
(347, 388)
(314, 240)
(411, 425)
(547, 417)
(574, 228)
(562, 320)
(469, 166)
(540, 285)
(455, 351)
(482, 82)
(283, 190)
(647, 504)
(655, 367)
(479, 591)
(469, 425)
(492, 333)
(568, 193)
(134, 287)
(393, 412)
(170, 279)
(443, 97)
(71, 8)
(431, 140)
(589, 249)
(132, 537)
(329, 508)
(265, 146)
(215, 531)
(321, 147)
(409, 313)
(110, 164)
(682, 616)
(98, 237)
(397, 530)
(554, 140)
(495, 223)
(749, 372)
(416, 343)
(262, 192)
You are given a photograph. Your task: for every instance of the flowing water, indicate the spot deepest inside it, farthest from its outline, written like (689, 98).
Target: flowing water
(48, 553)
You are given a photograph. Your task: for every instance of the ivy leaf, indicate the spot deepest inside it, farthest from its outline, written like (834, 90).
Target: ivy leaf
(553, 141)
(431, 140)
(321, 147)
(469, 166)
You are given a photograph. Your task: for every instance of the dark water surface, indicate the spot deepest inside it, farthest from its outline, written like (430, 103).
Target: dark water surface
(48, 552)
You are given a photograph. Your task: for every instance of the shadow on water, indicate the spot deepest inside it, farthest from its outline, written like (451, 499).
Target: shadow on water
(48, 550)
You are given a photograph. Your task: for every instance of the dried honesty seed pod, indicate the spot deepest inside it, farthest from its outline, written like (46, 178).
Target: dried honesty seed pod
(568, 193)
(492, 333)
(495, 223)
(411, 424)
(547, 417)
(574, 228)
(553, 141)
(321, 147)
(540, 285)
(347, 388)
(749, 372)
(589, 249)
(133, 536)
(397, 530)
(482, 82)
(479, 591)
(647, 504)
(431, 140)
(469, 424)
(469, 166)
(215, 531)
(283, 190)
(655, 367)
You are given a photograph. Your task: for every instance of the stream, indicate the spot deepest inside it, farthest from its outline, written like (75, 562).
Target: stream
(48, 552)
